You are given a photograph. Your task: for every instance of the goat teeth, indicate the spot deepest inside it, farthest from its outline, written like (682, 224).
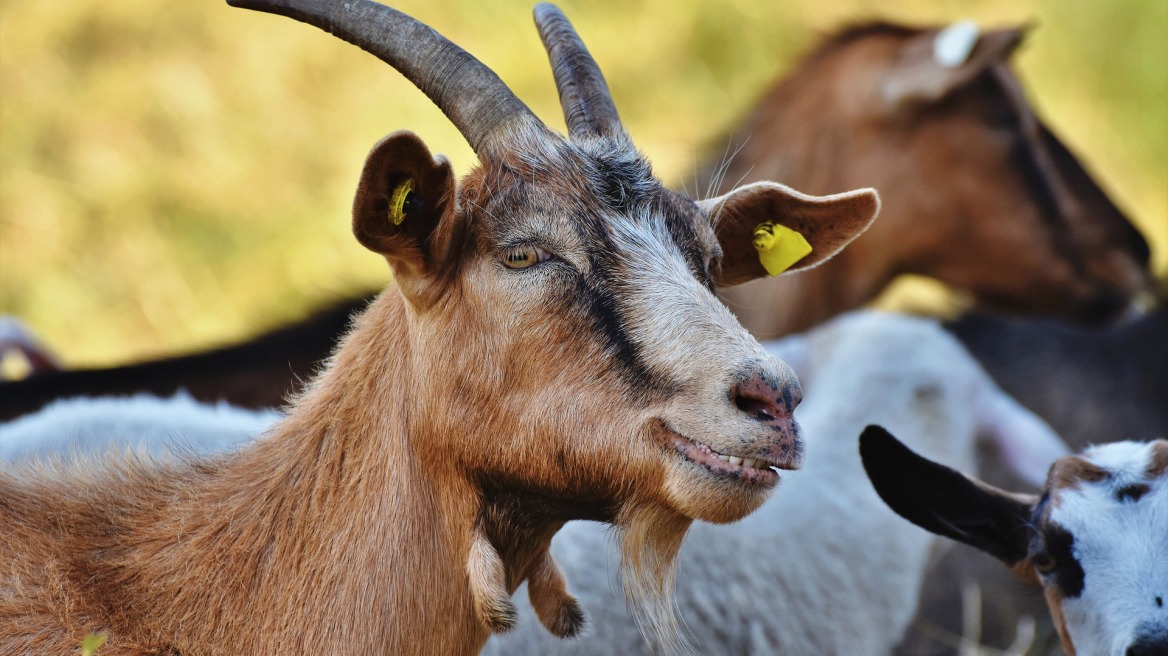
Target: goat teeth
(748, 462)
(723, 458)
(735, 460)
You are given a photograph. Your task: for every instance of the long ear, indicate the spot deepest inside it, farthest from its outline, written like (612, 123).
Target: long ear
(405, 210)
(934, 63)
(943, 501)
(828, 223)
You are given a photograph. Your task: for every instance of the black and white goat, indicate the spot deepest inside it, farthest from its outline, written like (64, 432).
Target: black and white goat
(1096, 539)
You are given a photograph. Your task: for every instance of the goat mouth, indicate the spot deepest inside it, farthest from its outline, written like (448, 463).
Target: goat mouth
(750, 470)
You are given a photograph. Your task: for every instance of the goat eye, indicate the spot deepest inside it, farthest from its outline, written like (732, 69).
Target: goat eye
(1044, 563)
(522, 257)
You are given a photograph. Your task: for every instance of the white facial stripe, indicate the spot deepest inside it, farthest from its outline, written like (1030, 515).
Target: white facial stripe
(679, 324)
(1122, 545)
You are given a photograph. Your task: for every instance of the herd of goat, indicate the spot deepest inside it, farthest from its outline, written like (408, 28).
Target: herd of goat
(568, 339)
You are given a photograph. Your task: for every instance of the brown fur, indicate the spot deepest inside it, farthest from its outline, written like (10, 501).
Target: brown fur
(1158, 467)
(976, 192)
(557, 610)
(1071, 472)
(231, 551)
(388, 512)
(1054, 603)
(224, 556)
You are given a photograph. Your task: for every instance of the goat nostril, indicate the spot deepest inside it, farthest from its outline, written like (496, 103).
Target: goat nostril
(760, 408)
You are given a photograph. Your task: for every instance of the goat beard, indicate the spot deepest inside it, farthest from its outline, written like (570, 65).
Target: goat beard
(650, 538)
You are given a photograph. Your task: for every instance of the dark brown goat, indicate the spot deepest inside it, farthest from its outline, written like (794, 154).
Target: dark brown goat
(1092, 385)
(977, 193)
(551, 349)
(263, 372)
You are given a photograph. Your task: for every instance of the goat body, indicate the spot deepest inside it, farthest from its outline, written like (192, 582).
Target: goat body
(72, 427)
(260, 373)
(1092, 385)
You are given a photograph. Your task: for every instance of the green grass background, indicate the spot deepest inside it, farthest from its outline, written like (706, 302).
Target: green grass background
(178, 174)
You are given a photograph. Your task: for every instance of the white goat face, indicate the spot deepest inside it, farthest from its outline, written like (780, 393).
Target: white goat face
(1101, 549)
(1097, 539)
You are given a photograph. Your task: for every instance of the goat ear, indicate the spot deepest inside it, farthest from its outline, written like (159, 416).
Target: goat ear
(943, 501)
(405, 209)
(828, 223)
(935, 63)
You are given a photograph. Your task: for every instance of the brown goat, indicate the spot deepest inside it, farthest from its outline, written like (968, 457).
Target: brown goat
(977, 192)
(551, 350)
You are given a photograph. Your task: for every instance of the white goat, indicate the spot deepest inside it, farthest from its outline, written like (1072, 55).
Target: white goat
(83, 425)
(1096, 539)
(823, 567)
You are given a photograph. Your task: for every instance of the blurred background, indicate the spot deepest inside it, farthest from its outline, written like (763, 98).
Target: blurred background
(177, 175)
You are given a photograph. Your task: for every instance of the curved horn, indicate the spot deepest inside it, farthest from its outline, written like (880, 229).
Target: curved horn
(478, 103)
(584, 95)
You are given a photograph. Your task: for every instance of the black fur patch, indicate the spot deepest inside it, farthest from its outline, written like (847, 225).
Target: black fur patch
(1131, 492)
(679, 214)
(598, 296)
(1068, 574)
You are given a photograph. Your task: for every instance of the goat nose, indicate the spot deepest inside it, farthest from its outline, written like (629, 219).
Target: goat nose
(765, 399)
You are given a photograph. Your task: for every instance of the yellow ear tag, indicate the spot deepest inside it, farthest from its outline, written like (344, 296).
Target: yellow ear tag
(779, 247)
(397, 202)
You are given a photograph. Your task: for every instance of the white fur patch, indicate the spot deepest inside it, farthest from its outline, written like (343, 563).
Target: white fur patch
(1122, 546)
(86, 425)
(954, 44)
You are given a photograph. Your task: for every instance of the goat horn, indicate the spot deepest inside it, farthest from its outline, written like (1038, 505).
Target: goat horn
(588, 107)
(478, 103)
